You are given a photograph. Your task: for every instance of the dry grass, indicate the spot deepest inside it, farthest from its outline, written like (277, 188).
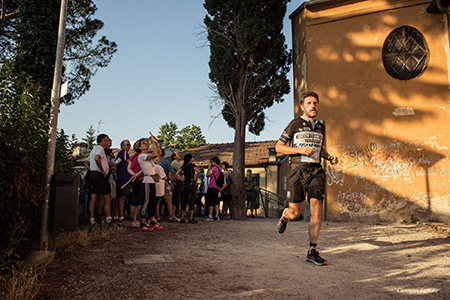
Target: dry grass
(69, 241)
(23, 284)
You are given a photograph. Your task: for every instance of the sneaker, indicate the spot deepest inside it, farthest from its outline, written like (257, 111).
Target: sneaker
(92, 222)
(182, 221)
(171, 220)
(156, 226)
(282, 224)
(216, 218)
(193, 221)
(207, 219)
(146, 228)
(177, 219)
(135, 224)
(314, 257)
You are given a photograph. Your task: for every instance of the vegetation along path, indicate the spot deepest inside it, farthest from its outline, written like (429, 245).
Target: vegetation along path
(250, 260)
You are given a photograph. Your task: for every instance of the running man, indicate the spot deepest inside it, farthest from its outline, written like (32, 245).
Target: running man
(303, 141)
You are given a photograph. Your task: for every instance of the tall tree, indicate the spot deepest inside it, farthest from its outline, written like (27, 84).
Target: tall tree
(248, 64)
(8, 22)
(34, 44)
(189, 137)
(168, 133)
(90, 137)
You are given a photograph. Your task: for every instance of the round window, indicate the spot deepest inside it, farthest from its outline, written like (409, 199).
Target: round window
(405, 53)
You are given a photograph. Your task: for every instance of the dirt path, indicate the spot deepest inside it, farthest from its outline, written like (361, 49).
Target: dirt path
(249, 260)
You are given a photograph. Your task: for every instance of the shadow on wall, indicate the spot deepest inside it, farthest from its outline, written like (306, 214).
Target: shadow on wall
(389, 133)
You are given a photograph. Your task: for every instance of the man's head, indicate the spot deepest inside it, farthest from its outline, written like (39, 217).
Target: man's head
(249, 173)
(163, 153)
(125, 145)
(176, 156)
(309, 103)
(104, 140)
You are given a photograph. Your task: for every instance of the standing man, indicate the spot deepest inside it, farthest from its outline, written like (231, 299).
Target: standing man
(123, 176)
(178, 185)
(303, 141)
(100, 187)
(250, 183)
(168, 188)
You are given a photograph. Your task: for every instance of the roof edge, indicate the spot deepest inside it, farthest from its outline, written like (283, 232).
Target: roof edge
(308, 4)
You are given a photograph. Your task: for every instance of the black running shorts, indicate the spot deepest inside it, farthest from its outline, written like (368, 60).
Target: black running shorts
(99, 184)
(309, 179)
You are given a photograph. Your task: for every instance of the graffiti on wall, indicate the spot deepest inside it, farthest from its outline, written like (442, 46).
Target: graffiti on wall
(368, 175)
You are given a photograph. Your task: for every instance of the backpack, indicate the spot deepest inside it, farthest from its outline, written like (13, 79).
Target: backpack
(220, 180)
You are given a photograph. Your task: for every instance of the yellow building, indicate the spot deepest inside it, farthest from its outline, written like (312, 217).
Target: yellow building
(381, 69)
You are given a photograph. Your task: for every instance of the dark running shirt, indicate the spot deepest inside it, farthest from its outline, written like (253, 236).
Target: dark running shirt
(189, 174)
(300, 133)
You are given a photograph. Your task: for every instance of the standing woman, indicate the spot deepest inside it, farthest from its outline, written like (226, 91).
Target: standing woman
(147, 165)
(190, 173)
(213, 173)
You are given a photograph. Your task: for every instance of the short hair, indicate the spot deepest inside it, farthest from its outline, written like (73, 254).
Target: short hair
(122, 143)
(101, 137)
(216, 160)
(187, 158)
(226, 164)
(249, 170)
(308, 94)
(163, 153)
(173, 155)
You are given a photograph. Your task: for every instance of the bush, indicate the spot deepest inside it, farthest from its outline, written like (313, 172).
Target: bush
(23, 136)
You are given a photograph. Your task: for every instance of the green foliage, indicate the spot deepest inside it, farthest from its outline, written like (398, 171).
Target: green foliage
(65, 162)
(90, 137)
(187, 137)
(23, 140)
(249, 60)
(168, 133)
(34, 44)
(83, 55)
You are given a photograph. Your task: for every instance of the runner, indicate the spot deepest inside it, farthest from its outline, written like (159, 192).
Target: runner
(303, 141)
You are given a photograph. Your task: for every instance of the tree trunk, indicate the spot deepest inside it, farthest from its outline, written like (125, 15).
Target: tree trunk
(238, 188)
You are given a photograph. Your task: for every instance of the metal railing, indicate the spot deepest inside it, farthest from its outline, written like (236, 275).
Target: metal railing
(271, 200)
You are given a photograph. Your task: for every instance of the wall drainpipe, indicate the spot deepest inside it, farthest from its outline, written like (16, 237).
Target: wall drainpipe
(442, 8)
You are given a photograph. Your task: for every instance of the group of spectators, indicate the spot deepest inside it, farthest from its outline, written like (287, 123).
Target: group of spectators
(147, 186)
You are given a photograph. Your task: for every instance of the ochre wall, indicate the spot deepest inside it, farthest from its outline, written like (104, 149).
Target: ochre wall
(391, 167)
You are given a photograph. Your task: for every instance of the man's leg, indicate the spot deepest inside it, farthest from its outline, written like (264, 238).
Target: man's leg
(291, 213)
(92, 204)
(315, 221)
(314, 229)
(107, 207)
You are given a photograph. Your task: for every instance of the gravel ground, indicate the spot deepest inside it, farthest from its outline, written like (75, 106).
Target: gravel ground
(250, 260)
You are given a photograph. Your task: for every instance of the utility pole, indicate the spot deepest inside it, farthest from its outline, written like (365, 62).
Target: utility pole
(44, 256)
(98, 126)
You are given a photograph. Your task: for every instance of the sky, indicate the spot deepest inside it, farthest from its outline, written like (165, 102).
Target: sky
(160, 74)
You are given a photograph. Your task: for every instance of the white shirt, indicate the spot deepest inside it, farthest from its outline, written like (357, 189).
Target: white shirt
(98, 150)
(162, 182)
(148, 167)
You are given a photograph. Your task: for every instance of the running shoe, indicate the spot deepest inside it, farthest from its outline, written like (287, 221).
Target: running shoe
(135, 224)
(156, 226)
(193, 221)
(282, 224)
(146, 229)
(216, 218)
(177, 219)
(171, 220)
(314, 257)
(207, 219)
(182, 221)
